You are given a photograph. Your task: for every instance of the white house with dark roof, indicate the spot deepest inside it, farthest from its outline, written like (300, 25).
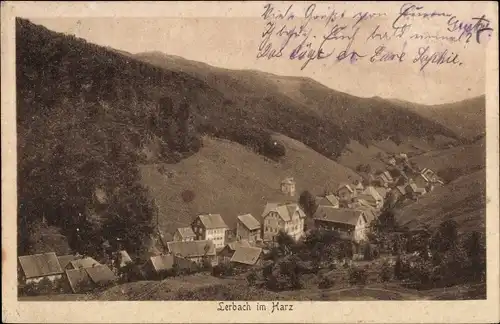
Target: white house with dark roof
(287, 217)
(210, 227)
(351, 223)
(34, 268)
(248, 228)
(184, 234)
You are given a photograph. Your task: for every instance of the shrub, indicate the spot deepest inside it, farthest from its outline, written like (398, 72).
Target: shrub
(187, 196)
(326, 282)
(251, 278)
(386, 272)
(223, 269)
(357, 276)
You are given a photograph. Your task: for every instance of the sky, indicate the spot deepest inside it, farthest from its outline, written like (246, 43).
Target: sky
(233, 43)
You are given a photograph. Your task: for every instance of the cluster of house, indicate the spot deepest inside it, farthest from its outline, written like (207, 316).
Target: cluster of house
(404, 186)
(349, 211)
(80, 272)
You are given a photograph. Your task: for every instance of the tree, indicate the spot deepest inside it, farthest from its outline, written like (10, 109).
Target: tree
(386, 272)
(445, 237)
(368, 253)
(308, 203)
(251, 278)
(398, 268)
(285, 242)
(357, 276)
(474, 245)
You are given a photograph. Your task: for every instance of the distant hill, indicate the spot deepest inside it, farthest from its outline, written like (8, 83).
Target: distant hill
(463, 200)
(456, 161)
(466, 118)
(227, 178)
(304, 109)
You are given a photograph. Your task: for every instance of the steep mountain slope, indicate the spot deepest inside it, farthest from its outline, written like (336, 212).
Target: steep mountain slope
(84, 116)
(466, 118)
(227, 178)
(362, 119)
(463, 200)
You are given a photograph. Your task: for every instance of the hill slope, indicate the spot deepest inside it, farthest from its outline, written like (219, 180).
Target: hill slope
(466, 118)
(454, 161)
(229, 179)
(84, 116)
(343, 117)
(463, 200)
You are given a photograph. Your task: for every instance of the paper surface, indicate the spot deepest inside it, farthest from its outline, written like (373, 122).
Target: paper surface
(427, 53)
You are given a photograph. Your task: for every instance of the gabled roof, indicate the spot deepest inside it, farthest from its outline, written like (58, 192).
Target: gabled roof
(413, 187)
(249, 221)
(101, 274)
(186, 232)
(191, 249)
(268, 208)
(401, 189)
(381, 191)
(337, 215)
(386, 176)
(233, 246)
(40, 265)
(124, 258)
(289, 180)
(423, 176)
(162, 262)
(370, 191)
(86, 262)
(329, 200)
(285, 211)
(64, 260)
(359, 186)
(346, 186)
(78, 279)
(369, 213)
(246, 255)
(211, 221)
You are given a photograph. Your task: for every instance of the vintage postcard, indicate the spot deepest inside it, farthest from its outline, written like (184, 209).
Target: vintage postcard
(258, 162)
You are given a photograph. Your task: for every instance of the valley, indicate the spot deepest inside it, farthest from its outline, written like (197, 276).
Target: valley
(119, 151)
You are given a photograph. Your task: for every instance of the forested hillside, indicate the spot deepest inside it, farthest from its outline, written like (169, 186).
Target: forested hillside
(85, 116)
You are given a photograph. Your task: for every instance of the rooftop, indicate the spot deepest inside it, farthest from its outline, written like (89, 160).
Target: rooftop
(337, 215)
(192, 248)
(249, 221)
(246, 255)
(211, 221)
(40, 265)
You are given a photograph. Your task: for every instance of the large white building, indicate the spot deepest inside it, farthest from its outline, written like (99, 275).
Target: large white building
(210, 227)
(287, 217)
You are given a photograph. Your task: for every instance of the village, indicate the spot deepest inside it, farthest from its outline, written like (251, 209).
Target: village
(209, 242)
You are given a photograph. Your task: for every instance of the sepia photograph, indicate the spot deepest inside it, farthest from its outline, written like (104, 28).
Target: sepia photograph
(283, 153)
